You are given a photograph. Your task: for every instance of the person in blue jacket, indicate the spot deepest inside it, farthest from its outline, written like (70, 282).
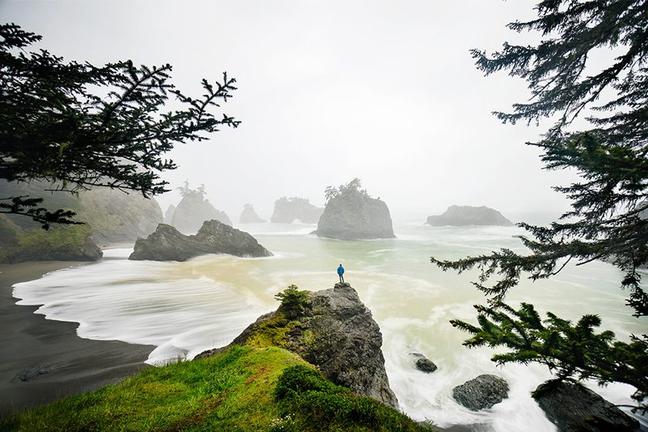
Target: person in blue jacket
(340, 272)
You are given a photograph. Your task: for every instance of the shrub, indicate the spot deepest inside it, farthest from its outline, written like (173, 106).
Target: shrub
(294, 302)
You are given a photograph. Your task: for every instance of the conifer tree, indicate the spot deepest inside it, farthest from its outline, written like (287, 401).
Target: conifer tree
(608, 218)
(78, 126)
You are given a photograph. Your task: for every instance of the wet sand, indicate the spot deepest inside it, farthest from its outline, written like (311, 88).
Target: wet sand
(43, 360)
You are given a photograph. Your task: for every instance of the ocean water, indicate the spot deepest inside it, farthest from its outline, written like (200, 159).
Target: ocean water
(185, 308)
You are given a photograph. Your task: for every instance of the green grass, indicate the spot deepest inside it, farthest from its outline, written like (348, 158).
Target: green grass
(241, 389)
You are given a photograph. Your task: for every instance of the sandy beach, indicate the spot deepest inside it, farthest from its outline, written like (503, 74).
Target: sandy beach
(43, 360)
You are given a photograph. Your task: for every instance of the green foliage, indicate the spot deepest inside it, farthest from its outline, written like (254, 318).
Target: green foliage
(608, 218)
(569, 350)
(241, 389)
(309, 402)
(354, 187)
(294, 302)
(82, 125)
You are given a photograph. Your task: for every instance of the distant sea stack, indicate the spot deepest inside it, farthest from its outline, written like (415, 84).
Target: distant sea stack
(289, 210)
(214, 237)
(469, 215)
(194, 209)
(351, 214)
(168, 214)
(248, 215)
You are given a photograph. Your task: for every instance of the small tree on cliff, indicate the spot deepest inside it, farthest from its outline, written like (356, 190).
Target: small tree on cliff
(608, 205)
(77, 125)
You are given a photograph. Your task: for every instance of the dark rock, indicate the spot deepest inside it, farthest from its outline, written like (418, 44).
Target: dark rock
(481, 392)
(423, 363)
(214, 237)
(289, 210)
(29, 374)
(575, 408)
(469, 215)
(194, 209)
(248, 215)
(338, 334)
(351, 214)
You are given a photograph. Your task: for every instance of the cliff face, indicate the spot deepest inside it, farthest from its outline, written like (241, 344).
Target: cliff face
(355, 215)
(214, 237)
(248, 215)
(60, 243)
(288, 210)
(113, 216)
(469, 215)
(337, 333)
(193, 210)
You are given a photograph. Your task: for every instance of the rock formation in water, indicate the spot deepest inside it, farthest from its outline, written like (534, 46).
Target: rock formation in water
(481, 392)
(289, 210)
(336, 333)
(59, 243)
(168, 214)
(112, 215)
(248, 215)
(423, 363)
(194, 209)
(352, 214)
(214, 237)
(469, 215)
(575, 408)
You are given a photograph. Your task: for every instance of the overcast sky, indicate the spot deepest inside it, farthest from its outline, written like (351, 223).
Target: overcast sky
(329, 90)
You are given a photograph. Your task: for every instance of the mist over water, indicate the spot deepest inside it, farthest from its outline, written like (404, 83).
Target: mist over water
(185, 308)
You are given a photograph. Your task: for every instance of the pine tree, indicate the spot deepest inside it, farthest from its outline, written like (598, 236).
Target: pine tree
(78, 126)
(608, 219)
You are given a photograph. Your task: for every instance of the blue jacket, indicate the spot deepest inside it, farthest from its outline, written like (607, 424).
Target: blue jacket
(340, 270)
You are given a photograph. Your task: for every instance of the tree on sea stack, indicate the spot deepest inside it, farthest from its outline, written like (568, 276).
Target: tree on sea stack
(81, 126)
(608, 219)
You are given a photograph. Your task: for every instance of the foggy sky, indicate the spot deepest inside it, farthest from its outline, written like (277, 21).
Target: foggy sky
(381, 90)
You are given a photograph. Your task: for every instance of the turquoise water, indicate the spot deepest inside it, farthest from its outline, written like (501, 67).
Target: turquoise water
(184, 308)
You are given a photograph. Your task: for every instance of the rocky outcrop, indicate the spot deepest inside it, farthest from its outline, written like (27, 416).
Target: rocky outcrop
(214, 237)
(575, 408)
(193, 210)
(469, 215)
(248, 215)
(337, 333)
(482, 392)
(289, 210)
(351, 214)
(423, 363)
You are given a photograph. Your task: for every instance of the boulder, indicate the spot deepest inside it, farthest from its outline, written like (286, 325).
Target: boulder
(423, 363)
(289, 210)
(481, 392)
(351, 214)
(469, 215)
(214, 237)
(337, 333)
(248, 215)
(575, 408)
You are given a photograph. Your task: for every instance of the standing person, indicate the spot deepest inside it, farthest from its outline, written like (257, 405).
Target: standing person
(340, 272)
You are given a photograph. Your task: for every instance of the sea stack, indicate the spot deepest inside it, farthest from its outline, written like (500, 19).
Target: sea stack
(194, 209)
(351, 214)
(248, 215)
(469, 215)
(289, 210)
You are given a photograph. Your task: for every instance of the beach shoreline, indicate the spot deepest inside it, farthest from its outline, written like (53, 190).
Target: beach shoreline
(44, 360)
